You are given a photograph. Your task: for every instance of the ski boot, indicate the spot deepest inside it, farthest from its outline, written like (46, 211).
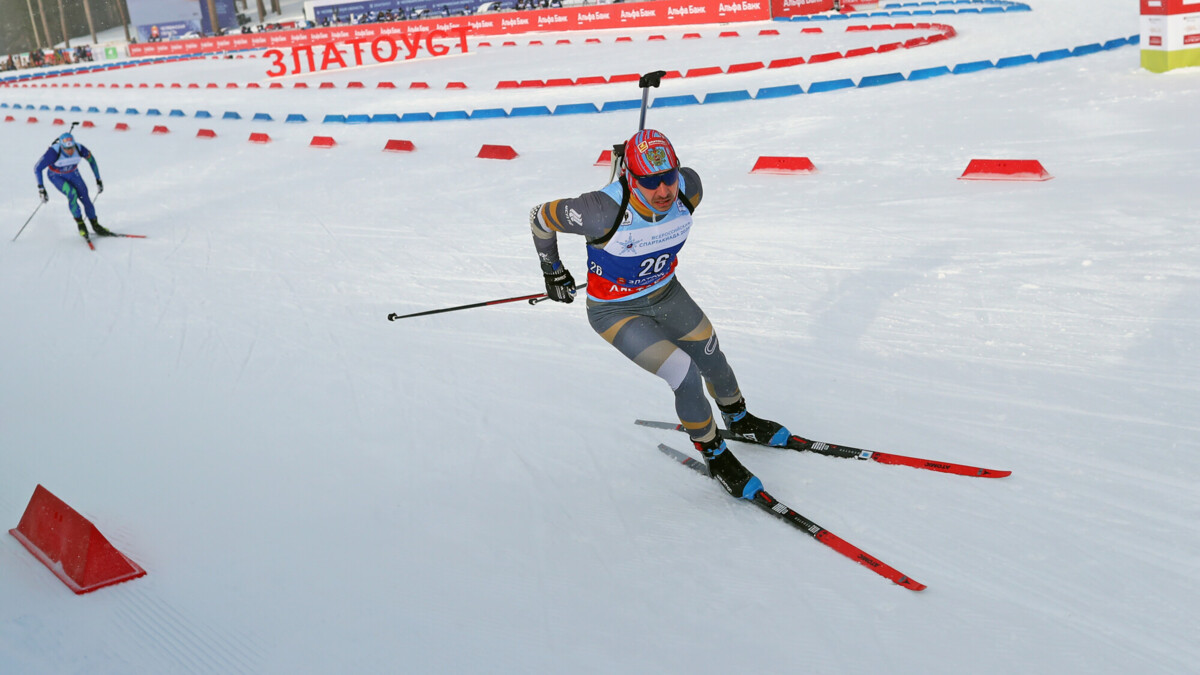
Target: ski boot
(99, 229)
(83, 231)
(753, 429)
(727, 470)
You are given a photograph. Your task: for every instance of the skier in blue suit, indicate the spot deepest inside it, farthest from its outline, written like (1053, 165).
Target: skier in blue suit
(62, 162)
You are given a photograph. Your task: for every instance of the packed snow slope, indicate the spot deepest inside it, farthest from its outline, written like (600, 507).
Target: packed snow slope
(312, 488)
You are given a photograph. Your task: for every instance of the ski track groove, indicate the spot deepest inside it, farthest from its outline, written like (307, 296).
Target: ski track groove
(191, 647)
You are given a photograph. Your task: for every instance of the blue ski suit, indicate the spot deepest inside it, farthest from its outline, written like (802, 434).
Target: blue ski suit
(63, 167)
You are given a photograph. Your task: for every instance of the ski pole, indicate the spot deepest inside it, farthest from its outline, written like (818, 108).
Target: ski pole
(532, 299)
(39, 207)
(618, 154)
(645, 82)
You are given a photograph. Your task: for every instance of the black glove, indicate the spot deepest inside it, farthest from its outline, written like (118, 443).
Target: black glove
(42, 193)
(99, 186)
(560, 285)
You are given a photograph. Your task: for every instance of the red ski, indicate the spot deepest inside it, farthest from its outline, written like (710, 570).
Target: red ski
(764, 501)
(845, 452)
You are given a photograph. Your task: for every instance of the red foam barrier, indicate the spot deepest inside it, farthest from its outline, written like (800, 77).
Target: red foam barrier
(861, 51)
(31, 120)
(9, 118)
(210, 85)
(744, 67)
(605, 159)
(1005, 169)
(889, 47)
(813, 29)
(259, 137)
(701, 72)
(456, 85)
(121, 126)
(206, 133)
(785, 63)
(497, 152)
(507, 84)
(592, 79)
(275, 85)
(231, 85)
(253, 85)
(327, 85)
(418, 85)
(58, 122)
(691, 36)
(88, 124)
(395, 145)
(768, 31)
(783, 165)
(625, 77)
(563, 41)
(322, 142)
(159, 129)
(536, 84)
(534, 43)
(385, 85)
(822, 58)
(560, 82)
(71, 546)
(354, 85)
(656, 37)
(624, 38)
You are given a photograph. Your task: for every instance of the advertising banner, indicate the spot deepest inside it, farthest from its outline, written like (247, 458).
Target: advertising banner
(590, 17)
(794, 7)
(158, 20)
(1170, 36)
(226, 15)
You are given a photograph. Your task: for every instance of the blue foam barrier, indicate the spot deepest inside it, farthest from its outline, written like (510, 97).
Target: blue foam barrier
(877, 80)
(59, 107)
(779, 92)
(1084, 50)
(295, 117)
(203, 114)
(76, 108)
(830, 85)
(262, 117)
(152, 112)
(176, 113)
(630, 104)
(488, 113)
(1010, 61)
(358, 119)
(451, 115)
(726, 96)
(576, 109)
(416, 117)
(1054, 55)
(93, 109)
(231, 115)
(1113, 44)
(334, 119)
(529, 111)
(383, 118)
(972, 67)
(131, 111)
(926, 73)
(673, 101)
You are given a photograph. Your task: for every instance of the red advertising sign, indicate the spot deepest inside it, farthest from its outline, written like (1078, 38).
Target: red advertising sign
(1167, 7)
(590, 17)
(793, 7)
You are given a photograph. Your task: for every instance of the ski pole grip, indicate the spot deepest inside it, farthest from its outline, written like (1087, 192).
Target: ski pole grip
(651, 79)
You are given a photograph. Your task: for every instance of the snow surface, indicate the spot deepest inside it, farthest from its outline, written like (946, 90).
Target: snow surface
(312, 488)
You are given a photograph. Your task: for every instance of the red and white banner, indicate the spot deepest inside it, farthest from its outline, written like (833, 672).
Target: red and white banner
(590, 17)
(794, 7)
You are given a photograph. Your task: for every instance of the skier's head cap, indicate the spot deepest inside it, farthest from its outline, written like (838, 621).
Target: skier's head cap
(649, 152)
(66, 140)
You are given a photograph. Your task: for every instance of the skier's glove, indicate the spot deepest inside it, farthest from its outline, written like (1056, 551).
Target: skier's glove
(99, 186)
(42, 193)
(560, 285)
